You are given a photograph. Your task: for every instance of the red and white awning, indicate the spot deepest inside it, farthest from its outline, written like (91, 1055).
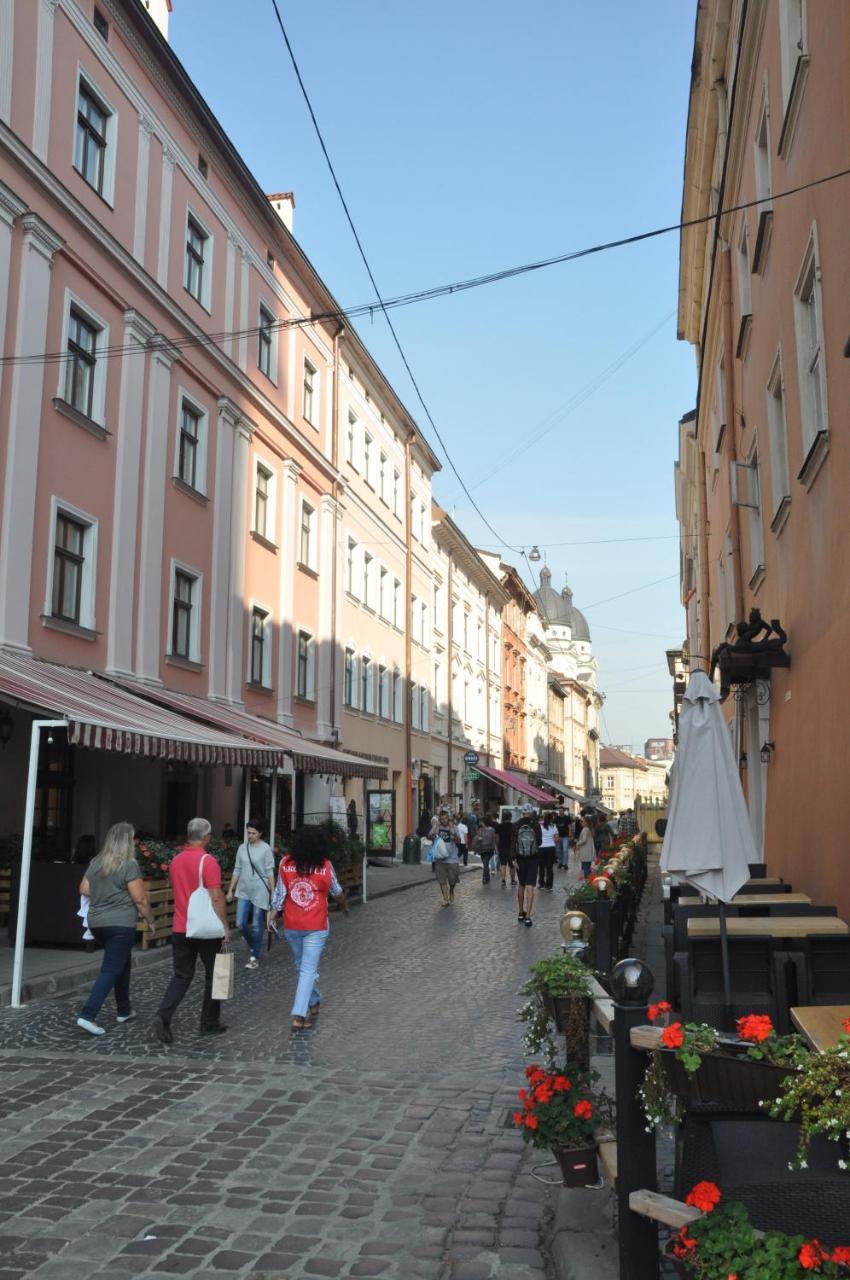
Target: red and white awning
(108, 718)
(507, 779)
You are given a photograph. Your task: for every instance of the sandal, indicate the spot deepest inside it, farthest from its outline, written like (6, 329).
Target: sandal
(300, 1024)
(313, 1011)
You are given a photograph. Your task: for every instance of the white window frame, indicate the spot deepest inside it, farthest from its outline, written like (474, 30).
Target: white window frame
(396, 493)
(369, 459)
(315, 383)
(88, 313)
(354, 701)
(777, 428)
(397, 696)
(424, 710)
(351, 440)
(274, 347)
(791, 49)
(383, 463)
(179, 566)
(205, 299)
(754, 518)
(108, 192)
(271, 504)
(810, 269)
(384, 694)
(88, 578)
(312, 561)
(423, 623)
(367, 669)
(310, 675)
(202, 449)
(369, 580)
(385, 603)
(265, 681)
(353, 568)
(398, 608)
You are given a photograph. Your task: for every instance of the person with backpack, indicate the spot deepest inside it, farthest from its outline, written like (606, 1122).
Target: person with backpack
(528, 867)
(506, 836)
(486, 843)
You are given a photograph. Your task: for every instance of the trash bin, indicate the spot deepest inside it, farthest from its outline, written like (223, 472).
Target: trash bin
(411, 850)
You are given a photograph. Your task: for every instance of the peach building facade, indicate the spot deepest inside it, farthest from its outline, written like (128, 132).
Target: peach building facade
(177, 509)
(764, 459)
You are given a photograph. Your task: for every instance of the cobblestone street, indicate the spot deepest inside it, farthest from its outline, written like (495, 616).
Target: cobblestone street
(377, 1145)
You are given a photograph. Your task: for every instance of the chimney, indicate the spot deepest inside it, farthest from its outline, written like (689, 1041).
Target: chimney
(283, 203)
(159, 11)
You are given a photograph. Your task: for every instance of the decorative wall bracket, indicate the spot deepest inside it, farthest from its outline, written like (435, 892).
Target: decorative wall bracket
(750, 658)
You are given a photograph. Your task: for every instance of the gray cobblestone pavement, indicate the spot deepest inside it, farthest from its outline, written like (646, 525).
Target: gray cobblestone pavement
(378, 1145)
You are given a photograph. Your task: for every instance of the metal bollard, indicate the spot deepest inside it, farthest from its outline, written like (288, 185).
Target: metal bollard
(632, 983)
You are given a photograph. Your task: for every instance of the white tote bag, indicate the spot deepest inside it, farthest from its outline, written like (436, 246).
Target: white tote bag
(201, 918)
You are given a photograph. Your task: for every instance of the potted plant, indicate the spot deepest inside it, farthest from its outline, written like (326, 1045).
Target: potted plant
(561, 1115)
(723, 1244)
(817, 1096)
(558, 991)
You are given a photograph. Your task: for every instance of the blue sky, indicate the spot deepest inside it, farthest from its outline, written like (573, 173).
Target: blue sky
(471, 136)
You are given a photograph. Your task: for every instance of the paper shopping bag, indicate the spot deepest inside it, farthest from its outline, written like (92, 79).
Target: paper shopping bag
(223, 976)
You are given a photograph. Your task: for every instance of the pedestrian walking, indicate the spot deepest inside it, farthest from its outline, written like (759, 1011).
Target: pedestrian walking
(507, 839)
(486, 845)
(252, 881)
(444, 857)
(528, 865)
(193, 868)
(305, 879)
(115, 889)
(565, 829)
(351, 817)
(462, 839)
(548, 844)
(585, 848)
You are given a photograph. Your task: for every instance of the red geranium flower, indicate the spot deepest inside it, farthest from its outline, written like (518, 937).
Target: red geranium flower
(684, 1245)
(531, 1122)
(656, 1010)
(846, 1025)
(163, 866)
(522, 1095)
(811, 1255)
(673, 1037)
(841, 1253)
(562, 1084)
(519, 1118)
(583, 1110)
(755, 1026)
(704, 1196)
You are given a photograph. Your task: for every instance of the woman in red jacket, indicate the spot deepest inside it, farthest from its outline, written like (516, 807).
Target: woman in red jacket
(305, 879)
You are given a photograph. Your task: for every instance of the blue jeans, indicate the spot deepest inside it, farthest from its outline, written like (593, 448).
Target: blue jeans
(117, 942)
(251, 922)
(307, 946)
(563, 852)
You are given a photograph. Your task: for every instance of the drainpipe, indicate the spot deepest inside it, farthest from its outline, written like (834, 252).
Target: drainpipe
(487, 674)
(408, 644)
(731, 429)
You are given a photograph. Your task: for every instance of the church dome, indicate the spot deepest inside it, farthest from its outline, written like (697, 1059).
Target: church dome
(559, 610)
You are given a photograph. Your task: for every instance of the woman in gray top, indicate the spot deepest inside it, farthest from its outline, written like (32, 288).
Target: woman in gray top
(116, 892)
(253, 883)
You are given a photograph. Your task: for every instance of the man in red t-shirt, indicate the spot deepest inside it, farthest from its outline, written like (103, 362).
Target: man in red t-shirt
(183, 873)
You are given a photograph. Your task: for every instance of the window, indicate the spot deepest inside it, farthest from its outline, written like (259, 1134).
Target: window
(416, 707)
(438, 617)
(189, 447)
(304, 666)
(414, 512)
(423, 622)
(203, 167)
(763, 189)
(792, 43)
(91, 138)
(369, 459)
(101, 26)
(306, 550)
(349, 679)
(424, 698)
(397, 618)
(423, 523)
(778, 435)
(465, 630)
(383, 693)
(260, 647)
(396, 493)
(81, 364)
(196, 253)
(309, 404)
(265, 343)
(68, 565)
(368, 580)
(183, 622)
(351, 568)
(479, 650)
(744, 290)
(384, 595)
(262, 502)
(382, 477)
(349, 438)
(809, 329)
(398, 709)
(367, 684)
(754, 520)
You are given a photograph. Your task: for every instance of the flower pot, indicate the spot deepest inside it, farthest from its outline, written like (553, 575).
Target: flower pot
(571, 1015)
(578, 1165)
(731, 1080)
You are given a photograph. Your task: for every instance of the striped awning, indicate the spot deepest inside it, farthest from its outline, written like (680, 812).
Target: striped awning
(507, 779)
(306, 755)
(105, 717)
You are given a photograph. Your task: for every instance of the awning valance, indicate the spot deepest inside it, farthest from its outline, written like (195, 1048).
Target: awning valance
(507, 779)
(306, 755)
(104, 717)
(566, 792)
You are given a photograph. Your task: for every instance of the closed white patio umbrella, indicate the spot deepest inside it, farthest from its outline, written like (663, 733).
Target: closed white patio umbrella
(709, 841)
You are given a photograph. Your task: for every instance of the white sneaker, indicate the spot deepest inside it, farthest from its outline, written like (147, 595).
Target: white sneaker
(92, 1027)
(252, 964)
(125, 1017)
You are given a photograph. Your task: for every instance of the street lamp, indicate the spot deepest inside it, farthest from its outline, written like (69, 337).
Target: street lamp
(766, 752)
(534, 554)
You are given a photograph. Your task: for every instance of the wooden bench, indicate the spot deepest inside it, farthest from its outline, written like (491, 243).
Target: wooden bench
(161, 900)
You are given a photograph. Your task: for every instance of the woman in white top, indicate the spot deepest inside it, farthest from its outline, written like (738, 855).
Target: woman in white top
(253, 883)
(548, 845)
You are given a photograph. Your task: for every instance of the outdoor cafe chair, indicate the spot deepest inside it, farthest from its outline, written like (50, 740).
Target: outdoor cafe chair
(822, 970)
(758, 980)
(779, 909)
(675, 937)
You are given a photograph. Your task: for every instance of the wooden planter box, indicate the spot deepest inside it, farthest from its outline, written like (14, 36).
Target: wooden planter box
(571, 1015)
(730, 1080)
(161, 899)
(351, 877)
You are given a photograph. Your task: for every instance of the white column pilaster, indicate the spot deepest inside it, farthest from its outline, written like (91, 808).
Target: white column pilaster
(149, 634)
(169, 159)
(325, 638)
(138, 332)
(228, 418)
(40, 244)
(10, 209)
(288, 553)
(244, 294)
(238, 541)
(230, 292)
(143, 164)
(43, 76)
(7, 53)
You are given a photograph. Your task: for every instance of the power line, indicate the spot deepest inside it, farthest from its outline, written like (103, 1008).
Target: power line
(632, 591)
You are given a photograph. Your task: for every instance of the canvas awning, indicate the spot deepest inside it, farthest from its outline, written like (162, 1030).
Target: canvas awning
(107, 718)
(306, 755)
(567, 792)
(507, 779)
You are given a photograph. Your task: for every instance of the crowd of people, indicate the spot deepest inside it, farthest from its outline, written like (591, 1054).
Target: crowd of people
(529, 848)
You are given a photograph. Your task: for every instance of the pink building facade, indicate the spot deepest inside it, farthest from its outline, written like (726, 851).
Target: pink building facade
(173, 459)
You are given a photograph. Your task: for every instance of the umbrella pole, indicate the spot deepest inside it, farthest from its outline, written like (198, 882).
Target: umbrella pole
(724, 961)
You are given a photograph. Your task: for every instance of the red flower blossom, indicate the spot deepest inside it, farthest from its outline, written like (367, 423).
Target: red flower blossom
(755, 1026)
(522, 1095)
(811, 1255)
(656, 1010)
(684, 1245)
(519, 1118)
(562, 1084)
(673, 1037)
(841, 1253)
(704, 1196)
(583, 1110)
(531, 1122)
(163, 866)
(534, 1074)
(846, 1025)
